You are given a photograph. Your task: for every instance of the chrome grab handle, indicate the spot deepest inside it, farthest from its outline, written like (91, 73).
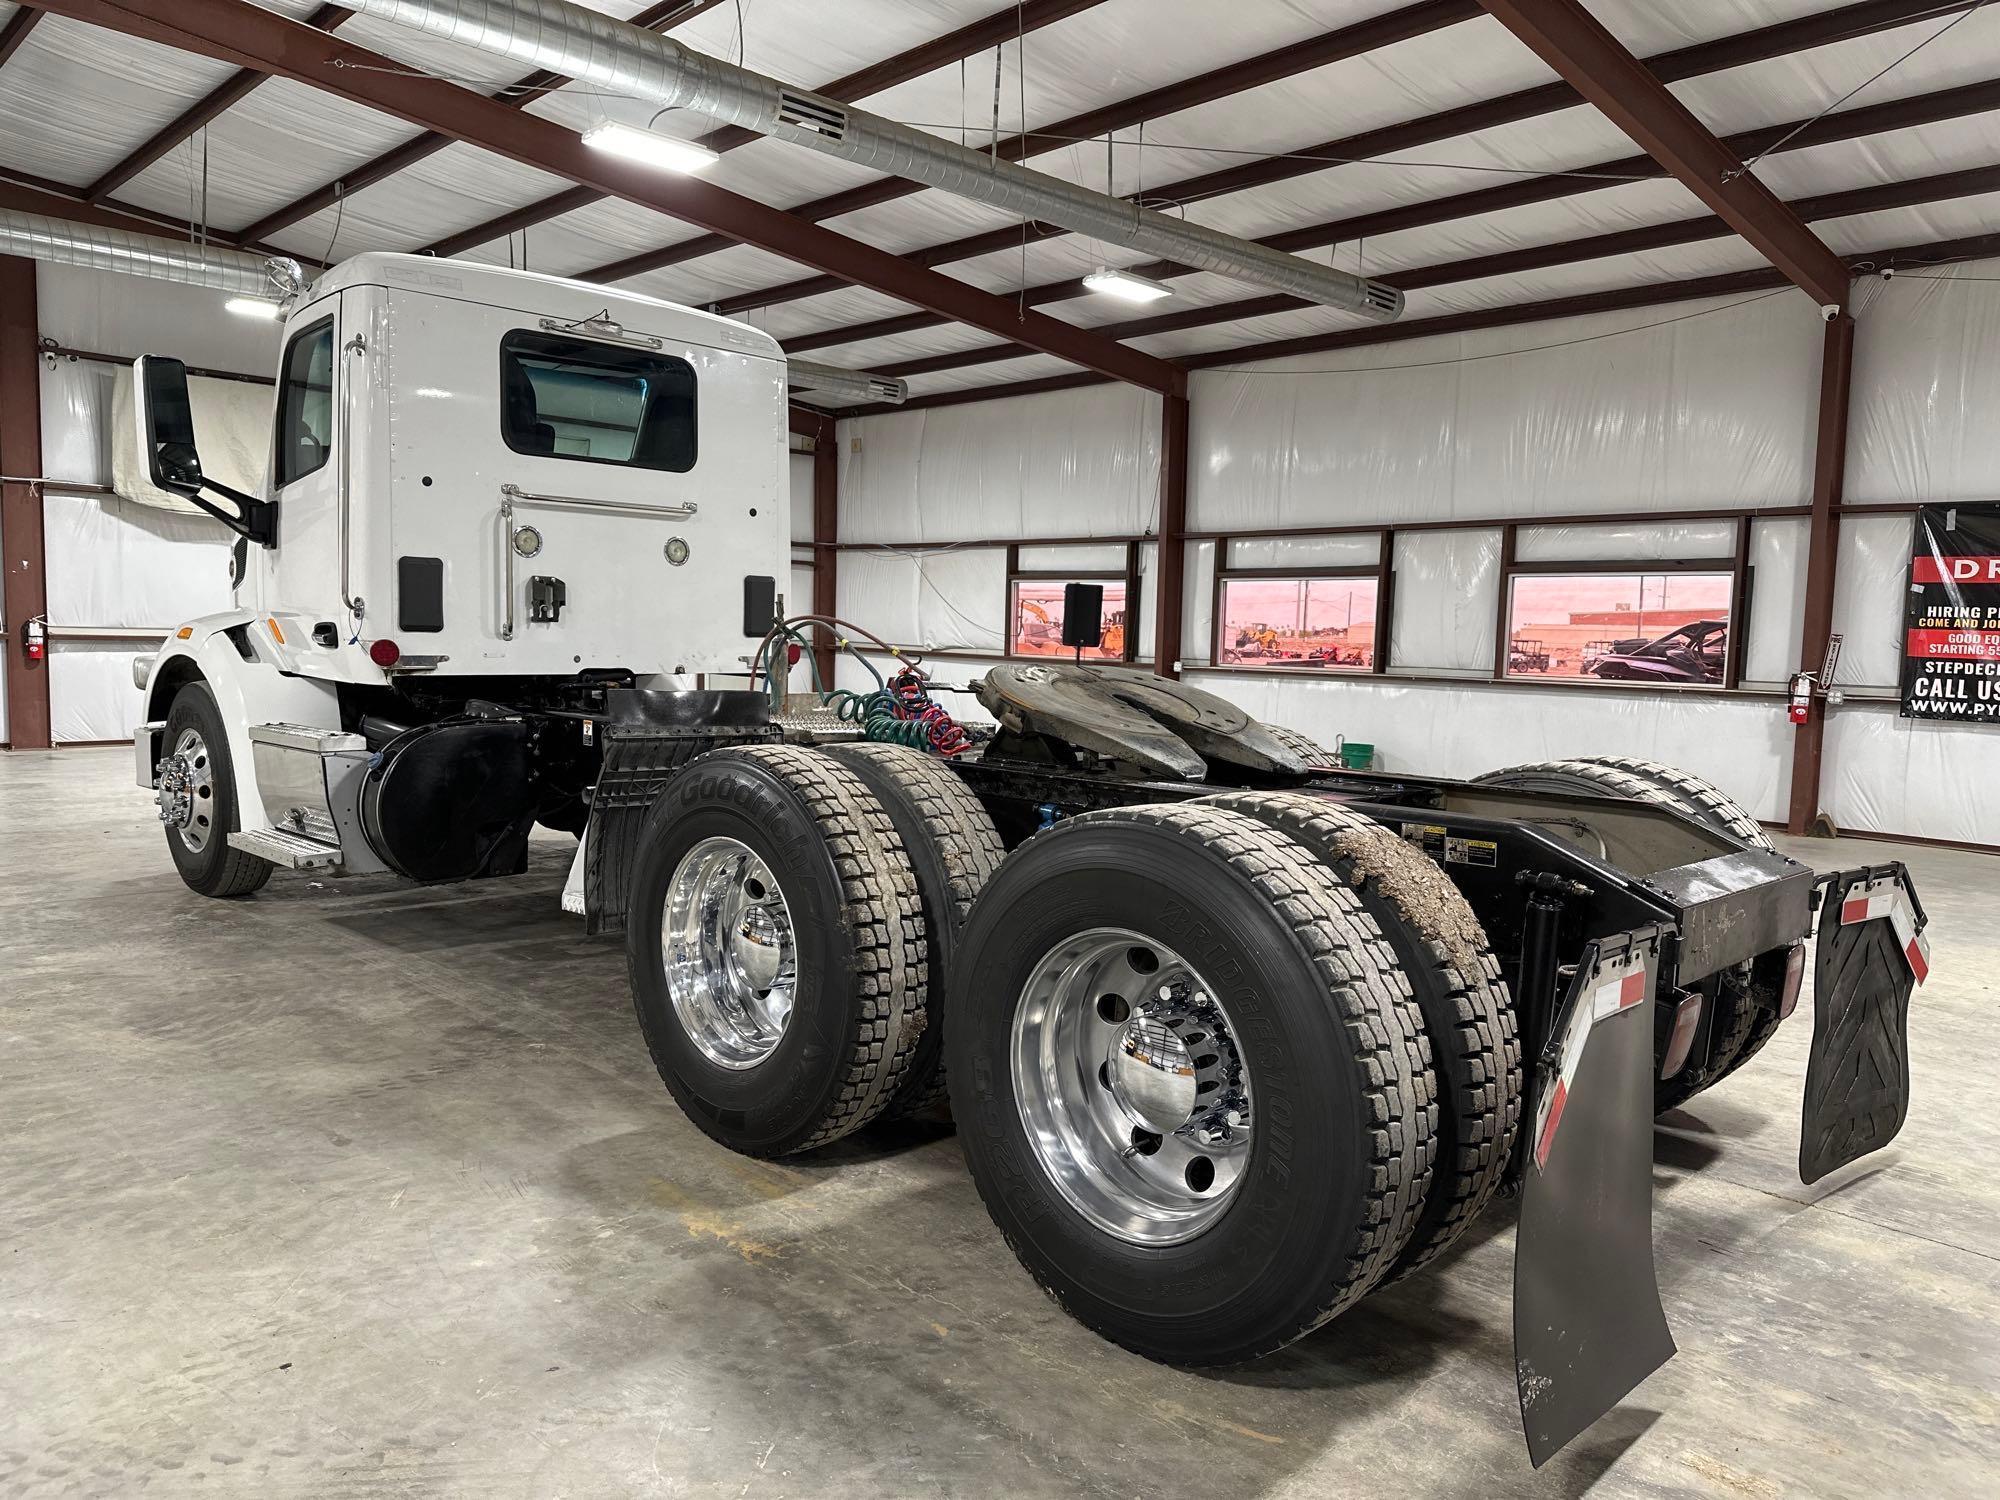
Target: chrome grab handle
(512, 495)
(342, 503)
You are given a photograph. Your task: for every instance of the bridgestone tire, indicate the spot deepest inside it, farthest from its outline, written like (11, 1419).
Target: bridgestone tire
(217, 870)
(1739, 1013)
(858, 926)
(1468, 1012)
(954, 849)
(1343, 1115)
(1308, 749)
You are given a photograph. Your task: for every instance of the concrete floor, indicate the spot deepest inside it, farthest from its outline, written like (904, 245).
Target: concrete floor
(354, 1189)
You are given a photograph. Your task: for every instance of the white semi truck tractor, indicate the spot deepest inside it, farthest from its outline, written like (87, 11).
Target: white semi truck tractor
(1232, 1034)
(503, 509)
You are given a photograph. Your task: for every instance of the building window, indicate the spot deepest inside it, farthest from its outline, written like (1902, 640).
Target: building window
(305, 406)
(574, 398)
(1035, 618)
(1323, 623)
(1669, 627)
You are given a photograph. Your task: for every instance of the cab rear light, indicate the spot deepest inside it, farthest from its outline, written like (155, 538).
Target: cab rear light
(1795, 977)
(1687, 1021)
(384, 653)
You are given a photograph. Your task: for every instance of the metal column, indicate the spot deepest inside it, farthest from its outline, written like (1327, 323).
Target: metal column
(23, 581)
(1169, 576)
(1822, 556)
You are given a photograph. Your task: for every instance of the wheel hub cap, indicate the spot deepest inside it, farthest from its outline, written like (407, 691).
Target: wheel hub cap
(1152, 1074)
(1136, 1100)
(731, 960)
(186, 793)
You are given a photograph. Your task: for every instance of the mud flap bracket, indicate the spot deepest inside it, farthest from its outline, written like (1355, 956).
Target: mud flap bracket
(1588, 1325)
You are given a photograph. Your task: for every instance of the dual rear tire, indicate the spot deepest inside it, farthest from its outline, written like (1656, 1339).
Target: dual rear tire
(1219, 1068)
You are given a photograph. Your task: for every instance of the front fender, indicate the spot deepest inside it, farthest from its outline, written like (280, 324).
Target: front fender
(223, 651)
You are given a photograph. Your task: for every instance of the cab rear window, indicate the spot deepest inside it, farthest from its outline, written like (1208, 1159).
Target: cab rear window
(563, 397)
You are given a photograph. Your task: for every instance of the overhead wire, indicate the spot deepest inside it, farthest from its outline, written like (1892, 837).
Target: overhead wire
(1511, 353)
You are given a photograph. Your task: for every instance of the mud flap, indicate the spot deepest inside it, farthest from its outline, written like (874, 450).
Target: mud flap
(1872, 953)
(1588, 1325)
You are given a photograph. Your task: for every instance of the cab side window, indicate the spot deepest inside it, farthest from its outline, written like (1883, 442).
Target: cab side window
(305, 403)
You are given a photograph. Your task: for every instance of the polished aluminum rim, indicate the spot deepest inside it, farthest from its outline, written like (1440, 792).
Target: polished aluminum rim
(1134, 1093)
(732, 963)
(187, 791)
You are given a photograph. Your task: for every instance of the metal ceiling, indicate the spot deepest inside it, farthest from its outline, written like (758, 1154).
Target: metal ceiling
(1460, 118)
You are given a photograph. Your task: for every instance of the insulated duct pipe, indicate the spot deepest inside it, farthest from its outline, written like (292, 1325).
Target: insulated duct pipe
(63, 243)
(568, 40)
(859, 384)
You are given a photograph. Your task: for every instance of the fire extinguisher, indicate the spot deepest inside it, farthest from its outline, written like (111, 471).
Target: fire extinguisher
(1800, 702)
(35, 638)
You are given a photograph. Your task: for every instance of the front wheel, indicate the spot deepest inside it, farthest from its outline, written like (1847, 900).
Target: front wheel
(197, 797)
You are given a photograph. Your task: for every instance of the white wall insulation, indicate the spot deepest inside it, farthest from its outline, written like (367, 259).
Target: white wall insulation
(1694, 406)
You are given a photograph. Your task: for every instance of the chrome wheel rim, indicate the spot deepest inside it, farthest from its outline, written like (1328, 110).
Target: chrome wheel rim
(1130, 1083)
(187, 791)
(731, 959)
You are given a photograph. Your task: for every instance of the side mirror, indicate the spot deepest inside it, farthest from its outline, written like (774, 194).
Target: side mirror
(166, 423)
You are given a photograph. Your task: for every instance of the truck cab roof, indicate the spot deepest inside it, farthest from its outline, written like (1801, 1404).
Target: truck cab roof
(543, 295)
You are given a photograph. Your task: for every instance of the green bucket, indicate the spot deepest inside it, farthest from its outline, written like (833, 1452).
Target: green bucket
(1356, 755)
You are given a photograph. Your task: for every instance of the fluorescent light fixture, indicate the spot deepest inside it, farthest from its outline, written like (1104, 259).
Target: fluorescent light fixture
(669, 152)
(252, 307)
(1128, 286)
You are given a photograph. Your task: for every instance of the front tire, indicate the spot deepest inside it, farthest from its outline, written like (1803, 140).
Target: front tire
(1110, 934)
(775, 944)
(198, 790)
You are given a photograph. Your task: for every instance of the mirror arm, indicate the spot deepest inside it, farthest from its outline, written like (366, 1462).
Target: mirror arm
(254, 519)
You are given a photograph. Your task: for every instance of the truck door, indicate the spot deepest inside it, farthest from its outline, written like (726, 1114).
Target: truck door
(308, 465)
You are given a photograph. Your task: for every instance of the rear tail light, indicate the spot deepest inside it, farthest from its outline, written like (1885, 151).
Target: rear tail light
(1795, 977)
(1687, 1021)
(384, 653)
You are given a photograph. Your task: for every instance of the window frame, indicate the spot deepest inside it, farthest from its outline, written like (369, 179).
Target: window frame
(279, 480)
(1129, 578)
(1735, 566)
(610, 346)
(1383, 572)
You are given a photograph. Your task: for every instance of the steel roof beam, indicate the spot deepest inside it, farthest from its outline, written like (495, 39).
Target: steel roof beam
(1571, 41)
(232, 90)
(258, 38)
(1760, 45)
(1001, 26)
(663, 16)
(16, 31)
(1938, 188)
(1650, 294)
(1235, 78)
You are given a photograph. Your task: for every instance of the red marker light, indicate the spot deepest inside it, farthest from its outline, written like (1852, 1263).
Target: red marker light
(1795, 976)
(384, 653)
(1687, 1016)
(792, 654)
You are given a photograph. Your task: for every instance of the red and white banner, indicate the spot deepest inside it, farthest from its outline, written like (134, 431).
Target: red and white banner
(1616, 987)
(1886, 898)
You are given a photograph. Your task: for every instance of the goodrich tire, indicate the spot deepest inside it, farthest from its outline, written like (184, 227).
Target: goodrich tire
(197, 759)
(1189, 946)
(775, 944)
(1468, 1013)
(954, 850)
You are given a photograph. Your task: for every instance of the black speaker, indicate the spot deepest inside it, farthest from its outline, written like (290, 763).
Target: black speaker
(1083, 614)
